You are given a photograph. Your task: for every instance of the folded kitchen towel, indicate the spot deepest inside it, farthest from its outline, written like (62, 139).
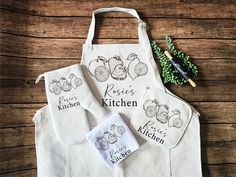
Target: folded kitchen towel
(68, 97)
(113, 140)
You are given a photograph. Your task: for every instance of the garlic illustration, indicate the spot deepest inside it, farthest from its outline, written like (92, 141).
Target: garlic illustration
(75, 81)
(118, 130)
(175, 120)
(135, 67)
(55, 87)
(162, 115)
(97, 68)
(117, 68)
(101, 144)
(151, 108)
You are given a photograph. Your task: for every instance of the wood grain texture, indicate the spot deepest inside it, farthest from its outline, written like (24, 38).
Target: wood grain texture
(77, 27)
(21, 91)
(21, 46)
(148, 8)
(21, 115)
(33, 172)
(29, 68)
(226, 170)
(24, 136)
(24, 157)
(42, 35)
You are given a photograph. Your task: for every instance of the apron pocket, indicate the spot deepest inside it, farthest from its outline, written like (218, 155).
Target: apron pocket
(161, 118)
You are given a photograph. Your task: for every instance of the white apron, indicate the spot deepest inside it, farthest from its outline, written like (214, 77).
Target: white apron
(117, 75)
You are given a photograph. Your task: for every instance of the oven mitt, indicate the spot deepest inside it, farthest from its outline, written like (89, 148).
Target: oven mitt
(161, 118)
(113, 140)
(68, 97)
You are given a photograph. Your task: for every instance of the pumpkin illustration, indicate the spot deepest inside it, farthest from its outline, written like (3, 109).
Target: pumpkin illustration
(110, 138)
(162, 115)
(65, 85)
(151, 108)
(117, 68)
(75, 81)
(101, 144)
(55, 88)
(118, 130)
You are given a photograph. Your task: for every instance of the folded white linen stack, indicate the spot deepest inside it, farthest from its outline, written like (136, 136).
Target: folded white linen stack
(113, 140)
(68, 97)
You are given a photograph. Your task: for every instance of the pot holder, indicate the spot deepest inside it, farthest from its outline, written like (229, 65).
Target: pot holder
(113, 140)
(68, 96)
(161, 118)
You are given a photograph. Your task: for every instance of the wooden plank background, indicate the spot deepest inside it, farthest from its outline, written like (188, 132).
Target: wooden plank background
(42, 35)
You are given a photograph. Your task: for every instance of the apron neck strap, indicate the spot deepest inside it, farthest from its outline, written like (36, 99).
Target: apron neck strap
(141, 25)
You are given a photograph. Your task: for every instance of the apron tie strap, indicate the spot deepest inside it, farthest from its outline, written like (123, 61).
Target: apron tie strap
(39, 78)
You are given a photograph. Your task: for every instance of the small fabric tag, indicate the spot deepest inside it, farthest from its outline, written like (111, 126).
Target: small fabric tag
(161, 118)
(113, 140)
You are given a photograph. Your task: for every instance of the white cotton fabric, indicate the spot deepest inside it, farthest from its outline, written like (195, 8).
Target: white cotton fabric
(55, 159)
(113, 140)
(161, 118)
(118, 85)
(68, 97)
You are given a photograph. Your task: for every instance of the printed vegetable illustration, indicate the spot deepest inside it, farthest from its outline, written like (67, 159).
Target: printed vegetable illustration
(101, 73)
(55, 87)
(174, 119)
(118, 130)
(135, 67)
(75, 81)
(97, 68)
(101, 143)
(177, 123)
(162, 115)
(117, 68)
(110, 138)
(151, 108)
(65, 85)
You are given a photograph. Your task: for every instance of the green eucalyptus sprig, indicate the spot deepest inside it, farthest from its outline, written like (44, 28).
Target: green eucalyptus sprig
(169, 73)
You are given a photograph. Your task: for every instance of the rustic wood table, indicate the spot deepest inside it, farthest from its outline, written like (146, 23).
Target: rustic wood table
(43, 35)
